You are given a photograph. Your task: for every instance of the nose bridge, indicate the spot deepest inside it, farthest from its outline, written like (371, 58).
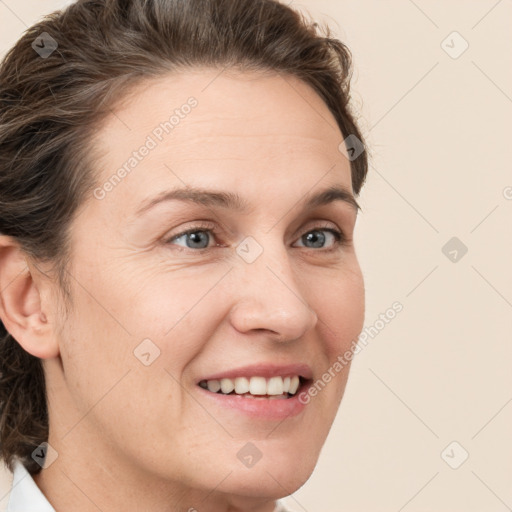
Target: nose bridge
(268, 296)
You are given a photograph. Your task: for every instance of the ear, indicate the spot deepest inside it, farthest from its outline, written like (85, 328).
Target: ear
(21, 302)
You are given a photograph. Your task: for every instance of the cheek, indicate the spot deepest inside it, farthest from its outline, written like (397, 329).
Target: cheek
(110, 387)
(95, 353)
(340, 308)
(178, 312)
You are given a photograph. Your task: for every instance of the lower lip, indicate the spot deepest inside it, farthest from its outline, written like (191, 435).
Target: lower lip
(264, 408)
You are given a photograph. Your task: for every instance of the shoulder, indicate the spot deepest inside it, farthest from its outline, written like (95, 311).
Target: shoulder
(6, 479)
(282, 507)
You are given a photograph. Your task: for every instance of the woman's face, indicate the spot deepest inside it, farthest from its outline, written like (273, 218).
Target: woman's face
(261, 288)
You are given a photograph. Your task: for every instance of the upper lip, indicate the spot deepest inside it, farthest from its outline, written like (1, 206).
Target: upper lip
(264, 370)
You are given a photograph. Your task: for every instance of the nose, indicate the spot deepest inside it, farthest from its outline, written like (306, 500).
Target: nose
(269, 298)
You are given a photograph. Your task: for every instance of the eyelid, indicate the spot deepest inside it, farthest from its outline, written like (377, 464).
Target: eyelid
(198, 225)
(342, 239)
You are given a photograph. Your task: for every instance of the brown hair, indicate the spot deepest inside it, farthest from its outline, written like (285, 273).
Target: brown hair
(51, 103)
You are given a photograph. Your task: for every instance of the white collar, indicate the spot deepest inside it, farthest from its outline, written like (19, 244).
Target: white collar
(25, 494)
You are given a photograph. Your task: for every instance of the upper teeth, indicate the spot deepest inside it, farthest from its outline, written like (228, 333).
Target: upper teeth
(254, 385)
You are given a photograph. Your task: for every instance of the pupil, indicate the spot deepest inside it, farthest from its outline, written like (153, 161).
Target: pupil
(315, 235)
(196, 238)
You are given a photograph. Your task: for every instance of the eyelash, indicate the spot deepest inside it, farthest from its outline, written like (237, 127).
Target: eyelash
(339, 236)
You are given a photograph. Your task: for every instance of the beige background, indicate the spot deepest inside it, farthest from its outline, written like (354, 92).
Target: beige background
(439, 131)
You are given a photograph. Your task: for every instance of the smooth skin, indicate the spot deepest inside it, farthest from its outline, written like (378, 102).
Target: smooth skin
(132, 437)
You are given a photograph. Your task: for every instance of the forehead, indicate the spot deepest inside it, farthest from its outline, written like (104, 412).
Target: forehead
(205, 126)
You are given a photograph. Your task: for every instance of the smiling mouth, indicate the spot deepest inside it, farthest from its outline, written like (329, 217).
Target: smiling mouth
(280, 388)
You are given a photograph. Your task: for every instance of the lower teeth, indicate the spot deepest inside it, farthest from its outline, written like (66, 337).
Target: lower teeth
(269, 397)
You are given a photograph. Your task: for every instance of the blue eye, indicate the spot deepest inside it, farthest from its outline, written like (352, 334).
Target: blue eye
(317, 236)
(199, 238)
(195, 239)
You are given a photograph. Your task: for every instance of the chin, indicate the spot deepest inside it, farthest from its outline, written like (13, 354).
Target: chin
(266, 486)
(273, 478)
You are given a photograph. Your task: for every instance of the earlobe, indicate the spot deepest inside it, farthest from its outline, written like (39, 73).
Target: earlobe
(21, 303)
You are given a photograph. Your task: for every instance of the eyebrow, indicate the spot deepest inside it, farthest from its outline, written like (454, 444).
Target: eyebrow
(234, 202)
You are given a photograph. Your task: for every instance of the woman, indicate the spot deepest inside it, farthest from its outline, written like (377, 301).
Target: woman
(177, 267)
